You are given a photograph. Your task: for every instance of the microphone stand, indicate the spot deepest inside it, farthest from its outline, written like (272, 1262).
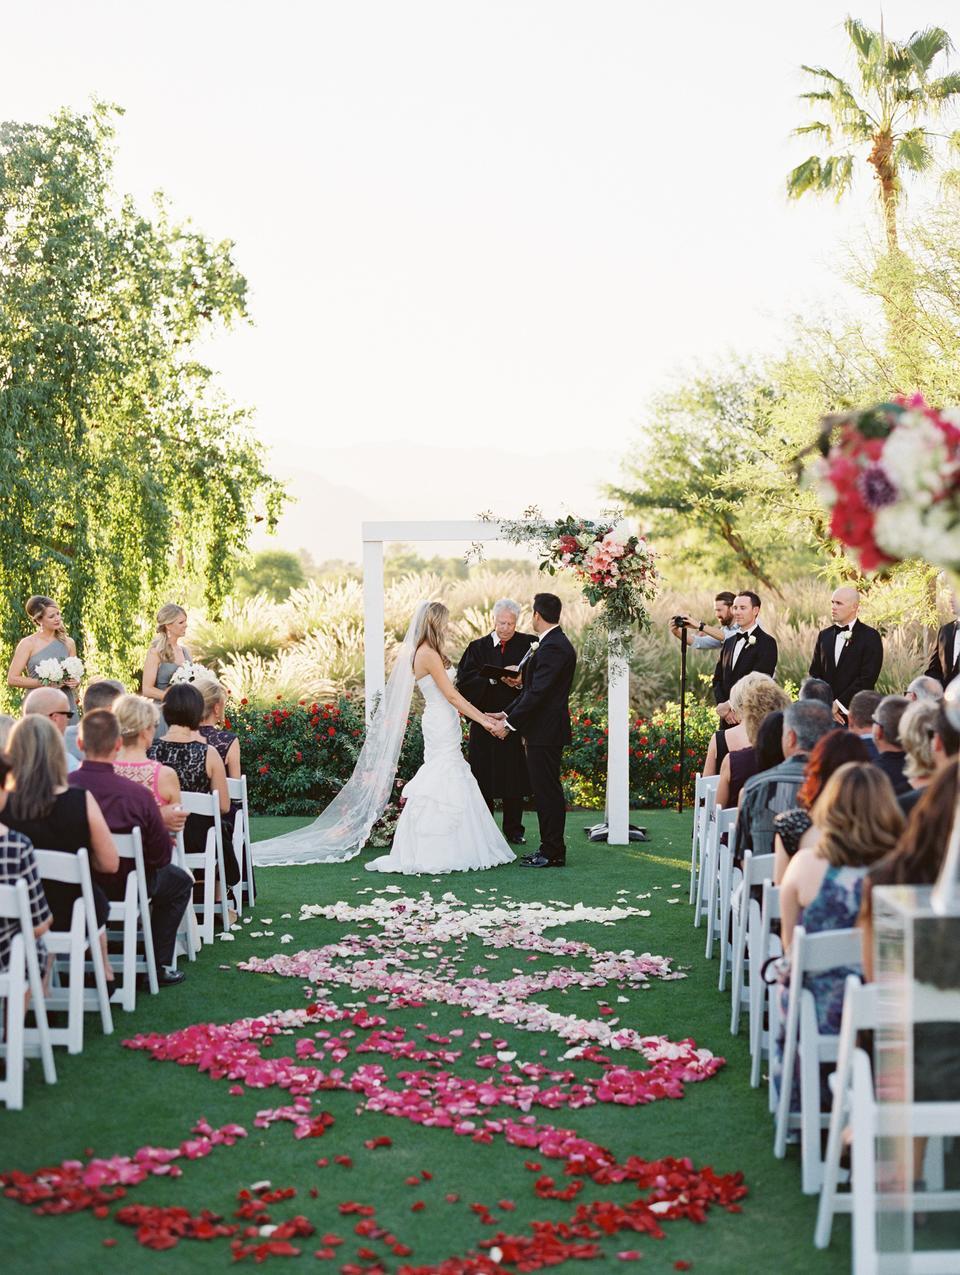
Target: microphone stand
(683, 721)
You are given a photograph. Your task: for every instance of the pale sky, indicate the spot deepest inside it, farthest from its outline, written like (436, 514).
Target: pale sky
(467, 225)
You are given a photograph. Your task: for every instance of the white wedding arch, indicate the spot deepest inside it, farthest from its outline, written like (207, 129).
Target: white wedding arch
(618, 693)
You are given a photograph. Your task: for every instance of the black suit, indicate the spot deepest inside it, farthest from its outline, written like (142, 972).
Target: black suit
(942, 665)
(758, 657)
(858, 669)
(499, 767)
(541, 714)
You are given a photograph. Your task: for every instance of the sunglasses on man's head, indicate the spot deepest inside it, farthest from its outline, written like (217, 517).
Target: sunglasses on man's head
(61, 712)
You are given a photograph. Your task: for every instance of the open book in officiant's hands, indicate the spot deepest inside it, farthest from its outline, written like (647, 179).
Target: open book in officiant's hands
(498, 674)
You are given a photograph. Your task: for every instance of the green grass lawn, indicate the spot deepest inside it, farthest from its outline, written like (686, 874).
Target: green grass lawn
(111, 1100)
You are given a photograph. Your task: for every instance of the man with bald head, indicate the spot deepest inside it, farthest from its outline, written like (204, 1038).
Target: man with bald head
(849, 654)
(47, 701)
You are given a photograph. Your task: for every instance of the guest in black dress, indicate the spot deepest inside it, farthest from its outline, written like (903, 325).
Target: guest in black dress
(198, 767)
(55, 817)
(226, 742)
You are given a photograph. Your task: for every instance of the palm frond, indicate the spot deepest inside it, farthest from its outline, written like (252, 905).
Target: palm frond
(816, 127)
(836, 175)
(953, 141)
(913, 151)
(804, 177)
(865, 41)
(950, 181)
(946, 87)
(924, 46)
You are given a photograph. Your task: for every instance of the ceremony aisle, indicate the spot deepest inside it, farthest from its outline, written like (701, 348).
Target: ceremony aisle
(374, 1190)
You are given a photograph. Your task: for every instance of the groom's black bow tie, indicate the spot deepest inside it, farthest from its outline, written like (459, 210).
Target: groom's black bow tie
(842, 628)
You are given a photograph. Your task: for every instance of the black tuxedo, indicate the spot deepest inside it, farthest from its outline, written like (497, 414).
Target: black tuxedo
(541, 714)
(758, 657)
(942, 665)
(858, 669)
(499, 767)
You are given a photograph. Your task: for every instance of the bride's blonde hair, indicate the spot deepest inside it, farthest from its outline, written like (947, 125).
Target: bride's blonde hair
(432, 630)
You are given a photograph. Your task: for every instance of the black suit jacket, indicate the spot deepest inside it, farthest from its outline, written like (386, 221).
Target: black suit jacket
(473, 686)
(860, 661)
(761, 657)
(941, 664)
(542, 712)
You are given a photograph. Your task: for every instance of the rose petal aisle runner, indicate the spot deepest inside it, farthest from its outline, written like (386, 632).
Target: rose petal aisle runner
(507, 1069)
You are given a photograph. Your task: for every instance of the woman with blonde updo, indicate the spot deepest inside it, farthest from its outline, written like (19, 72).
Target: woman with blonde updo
(751, 699)
(49, 642)
(138, 717)
(212, 728)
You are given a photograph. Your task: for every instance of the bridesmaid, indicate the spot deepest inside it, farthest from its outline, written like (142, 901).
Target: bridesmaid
(50, 642)
(165, 656)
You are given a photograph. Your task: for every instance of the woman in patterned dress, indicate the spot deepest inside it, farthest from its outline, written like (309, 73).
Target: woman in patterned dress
(138, 717)
(857, 821)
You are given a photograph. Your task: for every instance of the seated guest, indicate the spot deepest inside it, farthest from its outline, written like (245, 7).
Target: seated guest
(860, 719)
(16, 861)
(857, 822)
(769, 792)
(925, 688)
(137, 718)
(917, 861)
(730, 738)
(52, 703)
(918, 729)
(127, 805)
(946, 739)
(99, 694)
(56, 817)
(817, 688)
(769, 745)
(794, 828)
(886, 736)
(212, 729)
(198, 767)
(752, 699)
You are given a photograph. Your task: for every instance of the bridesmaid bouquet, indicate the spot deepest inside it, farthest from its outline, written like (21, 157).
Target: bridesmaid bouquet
(53, 672)
(189, 672)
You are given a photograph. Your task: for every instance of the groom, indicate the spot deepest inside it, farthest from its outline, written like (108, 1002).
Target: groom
(541, 714)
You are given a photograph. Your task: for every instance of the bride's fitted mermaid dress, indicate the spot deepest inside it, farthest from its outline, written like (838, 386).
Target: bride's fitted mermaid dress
(445, 825)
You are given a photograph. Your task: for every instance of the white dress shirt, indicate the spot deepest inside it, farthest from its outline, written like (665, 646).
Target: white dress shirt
(841, 641)
(741, 645)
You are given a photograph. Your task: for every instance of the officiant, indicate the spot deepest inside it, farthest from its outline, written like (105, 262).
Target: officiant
(499, 767)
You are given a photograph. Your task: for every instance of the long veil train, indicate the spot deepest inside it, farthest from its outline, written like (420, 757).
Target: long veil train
(341, 831)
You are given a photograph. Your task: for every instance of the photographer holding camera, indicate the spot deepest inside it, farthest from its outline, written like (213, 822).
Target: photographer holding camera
(702, 636)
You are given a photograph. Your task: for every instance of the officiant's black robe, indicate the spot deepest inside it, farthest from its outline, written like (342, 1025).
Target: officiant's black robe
(499, 766)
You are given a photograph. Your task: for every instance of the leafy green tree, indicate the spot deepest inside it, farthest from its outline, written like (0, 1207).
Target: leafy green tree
(887, 121)
(127, 477)
(275, 572)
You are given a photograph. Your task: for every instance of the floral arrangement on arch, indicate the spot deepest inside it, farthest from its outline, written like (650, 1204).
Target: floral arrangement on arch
(616, 568)
(890, 475)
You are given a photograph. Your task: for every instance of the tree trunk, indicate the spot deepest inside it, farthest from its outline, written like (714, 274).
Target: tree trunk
(745, 558)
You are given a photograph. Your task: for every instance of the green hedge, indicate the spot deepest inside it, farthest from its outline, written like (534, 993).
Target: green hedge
(297, 756)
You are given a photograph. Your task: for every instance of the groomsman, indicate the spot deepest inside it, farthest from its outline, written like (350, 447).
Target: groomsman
(748, 651)
(499, 767)
(849, 655)
(945, 662)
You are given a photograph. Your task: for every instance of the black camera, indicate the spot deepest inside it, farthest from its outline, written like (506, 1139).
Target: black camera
(679, 622)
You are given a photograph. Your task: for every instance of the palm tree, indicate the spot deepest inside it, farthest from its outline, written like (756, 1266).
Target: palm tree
(898, 100)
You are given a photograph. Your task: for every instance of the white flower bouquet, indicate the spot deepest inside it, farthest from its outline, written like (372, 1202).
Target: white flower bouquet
(189, 672)
(49, 672)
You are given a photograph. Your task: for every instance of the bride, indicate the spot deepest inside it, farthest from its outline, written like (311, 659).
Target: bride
(444, 825)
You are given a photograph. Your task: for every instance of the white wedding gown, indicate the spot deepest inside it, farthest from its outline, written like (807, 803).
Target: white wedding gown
(445, 825)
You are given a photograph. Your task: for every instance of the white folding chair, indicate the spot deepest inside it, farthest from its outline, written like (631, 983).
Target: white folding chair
(861, 1013)
(720, 847)
(23, 971)
(188, 939)
(208, 803)
(695, 834)
(764, 995)
(72, 946)
(132, 914)
(703, 818)
(757, 868)
(804, 1042)
(243, 842)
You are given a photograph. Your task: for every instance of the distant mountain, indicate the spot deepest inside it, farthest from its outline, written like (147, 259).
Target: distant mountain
(335, 489)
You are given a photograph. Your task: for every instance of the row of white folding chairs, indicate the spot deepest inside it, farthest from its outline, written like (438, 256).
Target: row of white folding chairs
(22, 973)
(704, 803)
(855, 1107)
